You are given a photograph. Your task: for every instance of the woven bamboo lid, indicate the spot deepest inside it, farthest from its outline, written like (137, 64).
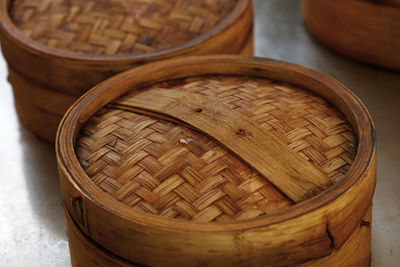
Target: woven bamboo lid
(213, 146)
(122, 27)
(171, 170)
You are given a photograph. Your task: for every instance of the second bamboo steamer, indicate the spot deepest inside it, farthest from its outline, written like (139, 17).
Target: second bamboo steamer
(57, 50)
(365, 30)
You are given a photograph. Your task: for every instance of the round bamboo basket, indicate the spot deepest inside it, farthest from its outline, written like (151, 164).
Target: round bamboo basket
(57, 50)
(219, 160)
(368, 31)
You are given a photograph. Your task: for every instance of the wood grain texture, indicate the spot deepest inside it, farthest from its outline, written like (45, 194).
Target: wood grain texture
(85, 252)
(368, 31)
(40, 110)
(61, 70)
(306, 231)
(359, 242)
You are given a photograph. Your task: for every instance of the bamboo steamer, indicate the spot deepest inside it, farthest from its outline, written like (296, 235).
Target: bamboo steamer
(368, 31)
(57, 50)
(218, 160)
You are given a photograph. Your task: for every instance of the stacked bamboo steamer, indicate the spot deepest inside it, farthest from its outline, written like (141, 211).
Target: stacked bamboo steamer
(57, 50)
(366, 30)
(218, 161)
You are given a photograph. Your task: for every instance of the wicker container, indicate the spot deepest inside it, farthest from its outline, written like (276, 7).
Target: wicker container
(218, 160)
(57, 50)
(365, 30)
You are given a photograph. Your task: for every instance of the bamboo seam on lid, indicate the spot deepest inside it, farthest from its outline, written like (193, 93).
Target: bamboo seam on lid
(296, 180)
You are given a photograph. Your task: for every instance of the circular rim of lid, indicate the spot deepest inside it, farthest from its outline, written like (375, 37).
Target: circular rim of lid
(97, 97)
(8, 26)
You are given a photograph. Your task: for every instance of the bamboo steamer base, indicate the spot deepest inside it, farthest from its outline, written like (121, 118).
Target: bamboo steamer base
(41, 109)
(356, 251)
(84, 252)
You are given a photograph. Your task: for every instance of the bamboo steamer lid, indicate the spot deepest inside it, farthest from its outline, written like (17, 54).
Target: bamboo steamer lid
(218, 160)
(57, 50)
(365, 30)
